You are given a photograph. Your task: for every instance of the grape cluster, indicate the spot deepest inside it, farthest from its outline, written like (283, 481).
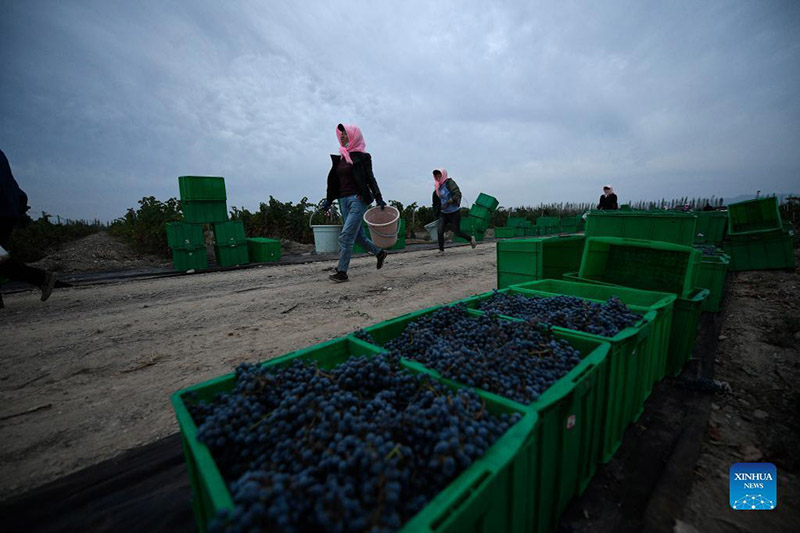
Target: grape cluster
(361, 447)
(707, 249)
(606, 319)
(365, 336)
(517, 360)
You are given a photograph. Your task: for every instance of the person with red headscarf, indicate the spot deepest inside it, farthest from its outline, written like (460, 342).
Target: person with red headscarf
(352, 182)
(446, 205)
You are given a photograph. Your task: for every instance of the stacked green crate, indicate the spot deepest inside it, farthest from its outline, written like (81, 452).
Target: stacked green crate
(569, 432)
(188, 247)
(523, 260)
(230, 245)
(475, 227)
(758, 238)
(630, 363)
(203, 199)
(675, 228)
(261, 250)
(711, 274)
(504, 233)
(517, 222)
(494, 492)
(754, 216)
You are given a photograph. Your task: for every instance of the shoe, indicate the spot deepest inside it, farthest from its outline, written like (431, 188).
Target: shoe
(49, 282)
(472, 242)
(338, 277)
(441, 252)
(381, 257)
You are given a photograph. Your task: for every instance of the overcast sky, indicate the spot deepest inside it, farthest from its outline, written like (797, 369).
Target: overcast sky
(104, 102)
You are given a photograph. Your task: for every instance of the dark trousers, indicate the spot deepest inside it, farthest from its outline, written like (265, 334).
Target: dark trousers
(453, 220)
(13, 269)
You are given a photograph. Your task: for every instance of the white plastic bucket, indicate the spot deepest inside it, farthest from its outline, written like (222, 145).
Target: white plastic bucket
(433, 229)
(326, 239)
(383, 225)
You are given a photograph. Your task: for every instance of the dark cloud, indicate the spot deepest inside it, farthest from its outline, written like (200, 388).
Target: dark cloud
(102, 103)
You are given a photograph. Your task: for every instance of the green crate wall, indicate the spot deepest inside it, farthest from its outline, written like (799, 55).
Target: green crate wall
(757, 215)
(629, 369)
(227, 233)
(567, 456)
(760, 252)
(478, 211)
(504, 233)
(202, 188)
(665, 227)
(204, 211)
(517, 222)
(261, 250)
(184, 235)
(641, 264)
(522, 260)
(494, 492)
(711, 227)
(711, 275)
(189, 258)
(231, 254)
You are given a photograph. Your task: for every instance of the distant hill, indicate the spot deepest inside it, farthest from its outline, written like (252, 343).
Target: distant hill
(743, 197)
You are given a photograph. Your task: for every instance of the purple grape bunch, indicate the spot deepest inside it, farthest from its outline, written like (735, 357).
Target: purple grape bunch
(363, 446)
(605, 319)
(516, 360)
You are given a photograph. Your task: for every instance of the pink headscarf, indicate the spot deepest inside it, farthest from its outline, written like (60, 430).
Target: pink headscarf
(438, 182)
(355, 141)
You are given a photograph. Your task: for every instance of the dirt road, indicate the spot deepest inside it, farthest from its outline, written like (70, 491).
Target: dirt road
(89, 373)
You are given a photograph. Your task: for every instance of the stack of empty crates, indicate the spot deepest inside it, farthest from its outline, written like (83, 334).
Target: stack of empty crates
(480, 214)
(759, 239)
(204, 201)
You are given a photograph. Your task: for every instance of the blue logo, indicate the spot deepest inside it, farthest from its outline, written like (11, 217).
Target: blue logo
(753, 486)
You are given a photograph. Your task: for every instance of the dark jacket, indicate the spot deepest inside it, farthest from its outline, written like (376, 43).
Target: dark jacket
(362, 174)
(455, 194)
(13, 201)
(608, 202)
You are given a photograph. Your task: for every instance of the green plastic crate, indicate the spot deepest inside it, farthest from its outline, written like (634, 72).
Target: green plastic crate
(630, 364)
(204, 211)
(478, 211)
(261, 250)
(711, 226)
(711, 275)
(533, 231)
(522, 260)
(647, 265)
(520, 231)
(685, 322)
(183, 235)
(655, 352)
(202, 188)
(495, 493)
(189, 258)
(231, 254)
(664, 227)
(516, 222)
(760, 252)
(570, 429)
(489, 202)
(751, 216)
(548, 221)
(226, 233)
(504, 233)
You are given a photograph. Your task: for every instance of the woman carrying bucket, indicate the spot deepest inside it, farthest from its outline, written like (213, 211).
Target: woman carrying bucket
(446, 205)
(351, 181)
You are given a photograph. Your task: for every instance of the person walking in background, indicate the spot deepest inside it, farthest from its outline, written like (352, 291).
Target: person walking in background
(608, 200)
(446, 205)
(13, 206)
(352, 182)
